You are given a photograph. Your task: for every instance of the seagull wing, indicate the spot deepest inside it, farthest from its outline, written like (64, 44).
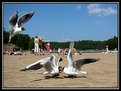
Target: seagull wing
(11, 31)
(49, 66)
(23, 19)
(37, 65)
(52, 59)
(79, 63)
(71, 45)
(13, 18)
(70, 59)
(69, 56)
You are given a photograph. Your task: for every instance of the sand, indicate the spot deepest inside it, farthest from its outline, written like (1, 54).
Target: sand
(101, 74)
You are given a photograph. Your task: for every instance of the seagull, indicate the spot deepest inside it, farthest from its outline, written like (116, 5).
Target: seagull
(15, 26)
(48, 63)
(74, 67)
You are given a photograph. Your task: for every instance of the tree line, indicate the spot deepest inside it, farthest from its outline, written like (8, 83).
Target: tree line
(25, 42)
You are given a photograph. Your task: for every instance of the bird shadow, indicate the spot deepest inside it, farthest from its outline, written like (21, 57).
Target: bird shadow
(72, 76)
(36, 80)
(47, 77)
(57, 77)
(54, 77)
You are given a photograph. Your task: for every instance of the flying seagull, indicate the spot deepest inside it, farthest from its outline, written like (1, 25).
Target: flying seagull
(74, 67)
(51, 67)
(16, 25)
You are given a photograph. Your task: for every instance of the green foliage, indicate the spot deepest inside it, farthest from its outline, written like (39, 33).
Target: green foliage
(23, 41)
(26, 43)
(5, 37)
(88, 44)
(31, 44)
(56, 45)
(113, 42)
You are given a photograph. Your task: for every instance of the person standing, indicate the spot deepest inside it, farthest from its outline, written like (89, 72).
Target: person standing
(48, 47)
(40, 44)
(44, 47)
(36, 45)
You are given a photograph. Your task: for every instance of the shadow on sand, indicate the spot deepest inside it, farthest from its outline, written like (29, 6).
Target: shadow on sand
(55, 77)
(72, 76)
(36, 80)
(48, 77)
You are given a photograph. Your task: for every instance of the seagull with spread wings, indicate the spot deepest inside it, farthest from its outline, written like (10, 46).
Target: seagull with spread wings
(16, 25)
(49, 63)
(74, 67)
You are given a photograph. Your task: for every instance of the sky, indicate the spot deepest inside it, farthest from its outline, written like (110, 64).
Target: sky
(67, 21)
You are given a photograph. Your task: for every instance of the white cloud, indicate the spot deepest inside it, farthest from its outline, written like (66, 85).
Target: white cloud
(109, 11)
(78, 7)
(96, 9)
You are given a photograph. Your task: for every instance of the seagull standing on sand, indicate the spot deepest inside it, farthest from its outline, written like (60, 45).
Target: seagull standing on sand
(75, 67)
(16, 24)
(48, 63)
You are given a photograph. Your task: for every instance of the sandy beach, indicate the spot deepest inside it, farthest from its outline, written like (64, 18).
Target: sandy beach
(101, 74)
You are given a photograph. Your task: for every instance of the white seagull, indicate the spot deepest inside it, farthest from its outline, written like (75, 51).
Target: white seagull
(48, 63)
(16, 24)
(75, 67)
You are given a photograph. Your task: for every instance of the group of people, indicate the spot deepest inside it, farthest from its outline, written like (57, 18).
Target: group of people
(40, 46)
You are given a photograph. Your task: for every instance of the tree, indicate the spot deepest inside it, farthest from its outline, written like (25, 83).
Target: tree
(5, 37)
(31, 44)
(112, 43)
(23, 41)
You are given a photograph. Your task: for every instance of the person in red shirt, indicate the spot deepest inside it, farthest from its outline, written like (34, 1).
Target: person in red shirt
(48, 47)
